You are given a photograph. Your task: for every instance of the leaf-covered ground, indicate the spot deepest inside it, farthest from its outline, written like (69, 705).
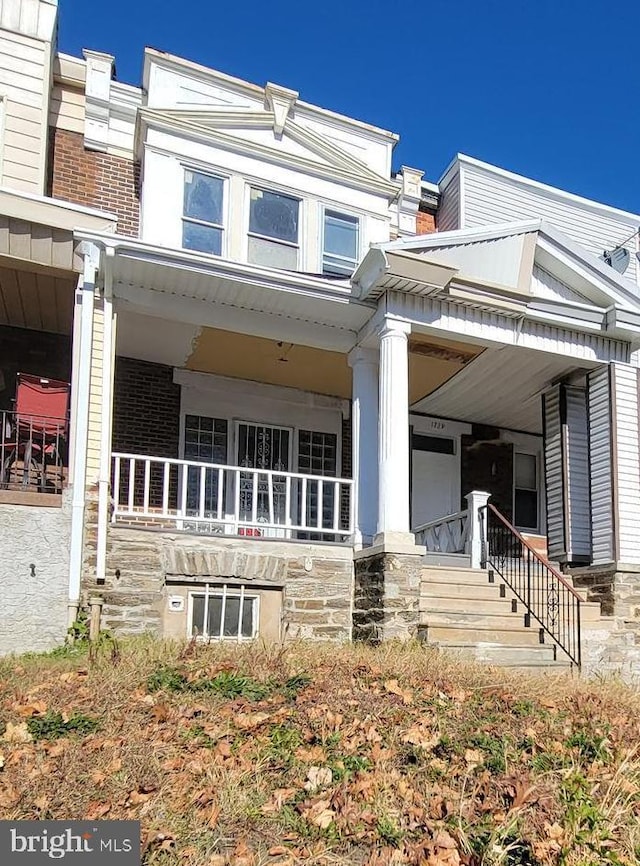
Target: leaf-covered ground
(251, 755)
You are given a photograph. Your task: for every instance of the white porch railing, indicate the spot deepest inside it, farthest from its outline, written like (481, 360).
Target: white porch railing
(234, 500)
(446, 534)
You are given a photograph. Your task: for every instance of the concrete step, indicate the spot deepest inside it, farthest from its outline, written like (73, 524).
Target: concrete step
(495, 619)
(486, 606)
(472, 592)
(522, 657)
(442, 632)
(443, 560)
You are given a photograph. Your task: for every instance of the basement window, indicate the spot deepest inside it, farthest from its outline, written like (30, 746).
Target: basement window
(223, 613)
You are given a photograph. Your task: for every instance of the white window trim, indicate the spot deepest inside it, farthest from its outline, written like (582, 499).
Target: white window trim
(225, 227)
(278, 190)
(339, 209)
(224, 590)
(536, 456)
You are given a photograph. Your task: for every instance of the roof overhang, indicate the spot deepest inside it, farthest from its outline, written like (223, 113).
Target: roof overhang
(492, 268)
(213, 292)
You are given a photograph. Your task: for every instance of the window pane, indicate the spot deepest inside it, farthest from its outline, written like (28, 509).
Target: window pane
(341, 235)
(274, 215)
(204, 239)
(231, 613)
(526, 471)
(272, 254)
(203, 197)
(526, 509)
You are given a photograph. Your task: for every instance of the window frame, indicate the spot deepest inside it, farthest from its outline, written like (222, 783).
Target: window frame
(223, 227)
(285, 193)
(537, 490)
(224, 590)
(340, 211)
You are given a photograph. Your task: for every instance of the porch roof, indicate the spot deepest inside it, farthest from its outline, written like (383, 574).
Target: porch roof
(500, 268)
(199, 289)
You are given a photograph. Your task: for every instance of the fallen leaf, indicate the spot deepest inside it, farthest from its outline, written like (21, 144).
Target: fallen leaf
(1, 761)
(394, 688)
(318, 777)
(249, 721)
(35, 708)
(473, 758)
(96, 810)
(17, 733)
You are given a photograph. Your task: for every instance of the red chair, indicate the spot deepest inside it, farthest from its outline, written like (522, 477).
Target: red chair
(39, 432)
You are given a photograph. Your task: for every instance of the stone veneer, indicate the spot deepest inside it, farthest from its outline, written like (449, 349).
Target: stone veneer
(615, 647)
(34, 575)
(386, 596)
(316, 580)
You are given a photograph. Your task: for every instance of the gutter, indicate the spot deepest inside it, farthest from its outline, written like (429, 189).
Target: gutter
(86, 283)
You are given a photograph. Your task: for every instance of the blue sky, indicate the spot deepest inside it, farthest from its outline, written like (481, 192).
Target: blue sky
(546, 88)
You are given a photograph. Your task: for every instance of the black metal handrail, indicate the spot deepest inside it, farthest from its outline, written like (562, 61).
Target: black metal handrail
(545, 593)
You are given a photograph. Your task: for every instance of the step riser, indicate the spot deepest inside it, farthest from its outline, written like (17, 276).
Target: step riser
(475, 607)
(456, 634)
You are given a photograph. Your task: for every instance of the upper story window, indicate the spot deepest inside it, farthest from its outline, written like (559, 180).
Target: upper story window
(273, 229)
(202, 217)
(341, 243)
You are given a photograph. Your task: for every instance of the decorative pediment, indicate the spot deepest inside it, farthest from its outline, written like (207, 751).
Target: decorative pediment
(272, 134)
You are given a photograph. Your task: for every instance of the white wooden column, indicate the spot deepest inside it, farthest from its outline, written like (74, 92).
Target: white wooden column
(364, 442)
(393, 435)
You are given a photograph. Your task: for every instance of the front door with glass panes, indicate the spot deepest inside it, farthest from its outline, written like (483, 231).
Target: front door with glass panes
(262, 495)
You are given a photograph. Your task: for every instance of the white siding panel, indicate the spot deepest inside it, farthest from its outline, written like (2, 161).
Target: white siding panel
(23, 79)
(544, 285)
(448, 216)
(553, 474)
(66, 110)
(577, 474)
(491, 198)
(627, 458)
(601, 480)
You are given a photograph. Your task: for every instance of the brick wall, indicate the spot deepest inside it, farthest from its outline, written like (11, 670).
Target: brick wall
(146, 409)
(425, 223)
(146, 420)
(100, 180)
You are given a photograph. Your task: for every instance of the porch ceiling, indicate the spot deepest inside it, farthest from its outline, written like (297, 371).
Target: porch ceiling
(238, 297)
(502, 387)
(37, 299)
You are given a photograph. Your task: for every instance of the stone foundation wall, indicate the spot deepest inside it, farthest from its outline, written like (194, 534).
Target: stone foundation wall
(386, 597)
(34, 575)
(316, 580)
(613, 647)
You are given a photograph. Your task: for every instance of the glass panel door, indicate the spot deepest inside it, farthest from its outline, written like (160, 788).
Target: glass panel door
(261, 446)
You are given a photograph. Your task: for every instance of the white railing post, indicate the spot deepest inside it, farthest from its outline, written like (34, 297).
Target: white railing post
(476, 535)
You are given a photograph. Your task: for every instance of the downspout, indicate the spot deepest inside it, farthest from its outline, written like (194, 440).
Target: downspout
(106, 416)
(86, 286)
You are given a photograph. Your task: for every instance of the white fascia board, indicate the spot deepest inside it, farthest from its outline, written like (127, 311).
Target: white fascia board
(457, 237)
(54, 212)
(549, 191)
(427, 186)
(201, 263)
(586, 265)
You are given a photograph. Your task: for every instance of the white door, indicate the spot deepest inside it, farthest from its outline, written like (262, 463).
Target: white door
(435, 484)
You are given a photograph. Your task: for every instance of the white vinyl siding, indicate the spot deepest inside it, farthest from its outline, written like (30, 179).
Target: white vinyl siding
(567, 474)
(626, 446)
(24, 77)
(448, 216)
(553, 474)
(67, 107)
(577, 474)
(600, 465)
(492, 198)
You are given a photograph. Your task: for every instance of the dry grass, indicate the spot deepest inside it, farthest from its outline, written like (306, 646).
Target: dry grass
(250, 755)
